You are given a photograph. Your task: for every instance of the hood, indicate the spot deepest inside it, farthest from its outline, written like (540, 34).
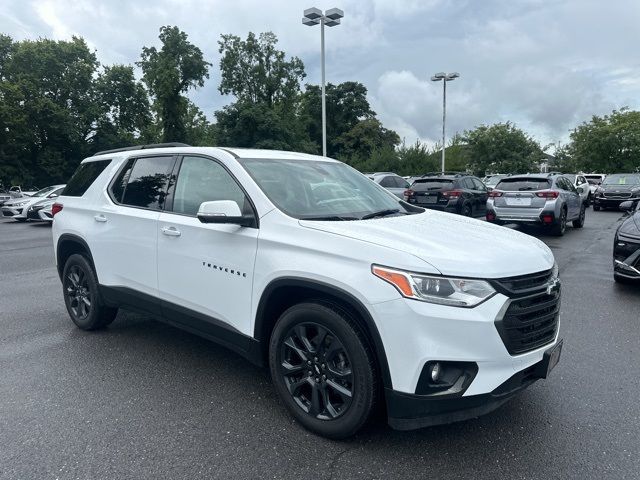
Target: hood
(453, 244)
(619, 188)
(13, 201)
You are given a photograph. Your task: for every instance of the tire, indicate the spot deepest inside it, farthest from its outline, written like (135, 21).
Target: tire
(579, 222)
(596, 208)
(466, 210)
(622, 280)
(21, 220)
(589, 199)
(330, 385)
(560, 226)
(82, 297)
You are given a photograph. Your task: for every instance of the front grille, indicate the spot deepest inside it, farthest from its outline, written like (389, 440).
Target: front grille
(523, 284)
(530, 322)
(7, 213)
(616, 195)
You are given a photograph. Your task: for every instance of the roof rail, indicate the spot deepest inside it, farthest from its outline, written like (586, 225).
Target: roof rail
(142, 147)
(435, 174)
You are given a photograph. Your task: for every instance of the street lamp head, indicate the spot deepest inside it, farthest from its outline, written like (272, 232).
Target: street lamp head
(452, 76)
(310, 21)
(332, 23)
(438, 76)
(313, 13)
(334, 14)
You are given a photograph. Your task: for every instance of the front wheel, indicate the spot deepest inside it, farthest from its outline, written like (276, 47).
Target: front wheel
(81, 295)
(323, 369)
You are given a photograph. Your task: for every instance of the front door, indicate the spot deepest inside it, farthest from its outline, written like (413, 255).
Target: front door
(206, 269)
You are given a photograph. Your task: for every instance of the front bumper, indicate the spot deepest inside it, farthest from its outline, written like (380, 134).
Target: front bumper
(610, 202)
(13, 212)
(416, 334)
(408, 412)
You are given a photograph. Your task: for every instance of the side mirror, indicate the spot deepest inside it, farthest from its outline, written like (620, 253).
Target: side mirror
(224, 211)
(627, 206)
(580, 190)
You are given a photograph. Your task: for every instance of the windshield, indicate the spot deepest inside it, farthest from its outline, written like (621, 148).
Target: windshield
(43, 192)
(319, 190)
(622, 179)
(571, 177)
(523, 184)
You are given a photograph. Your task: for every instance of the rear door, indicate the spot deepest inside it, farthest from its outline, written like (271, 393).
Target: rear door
(205, 270)
(571, 197)
(125, 229)
(481, 194)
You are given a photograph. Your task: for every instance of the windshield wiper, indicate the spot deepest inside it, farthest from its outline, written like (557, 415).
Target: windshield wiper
(333, 218)
(381, 213)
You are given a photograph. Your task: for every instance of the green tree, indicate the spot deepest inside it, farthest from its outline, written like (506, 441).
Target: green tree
(346, 104)
(47, 110)
(122, 107)
(501, 147)
(169, 73)
(607, 144)
(255, 71)
(364, 138)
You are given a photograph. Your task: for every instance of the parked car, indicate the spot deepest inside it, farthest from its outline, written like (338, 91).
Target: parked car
(41, 210)
(549, 200)
(17, 208)
(616, 189)
(4, 196)
(491, 181)
(626, 245)
(392, 182)
(582, 186)
(450, 192)
(351, 300)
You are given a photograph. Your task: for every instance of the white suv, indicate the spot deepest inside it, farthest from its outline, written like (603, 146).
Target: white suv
(350, 295)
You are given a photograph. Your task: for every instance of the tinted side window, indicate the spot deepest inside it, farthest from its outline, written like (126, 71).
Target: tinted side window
(387, 182)
(204, 180)
(143, 182)
(83, 177)
(563, 183)
(401, 183)
(478, 184)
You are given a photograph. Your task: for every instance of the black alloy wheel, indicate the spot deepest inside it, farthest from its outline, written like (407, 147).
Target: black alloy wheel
(561, 225)
(78, 293)
(82, 297)
(317, 371)
(579, 222)
(323, 368)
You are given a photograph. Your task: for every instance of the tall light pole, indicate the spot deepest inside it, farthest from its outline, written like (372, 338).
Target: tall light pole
(330, 18)
(444, 77)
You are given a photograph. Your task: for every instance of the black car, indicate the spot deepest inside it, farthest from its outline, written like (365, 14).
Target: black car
(626, 245)
(449, 192)
(617, 188)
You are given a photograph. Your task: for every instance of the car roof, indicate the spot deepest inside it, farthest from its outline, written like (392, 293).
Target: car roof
(238, 153)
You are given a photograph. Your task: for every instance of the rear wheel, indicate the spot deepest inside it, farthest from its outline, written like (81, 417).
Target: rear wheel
(466, 210)
(561, 224)
(82, 297)
(579, 222)
(621, 279)
(596, 208)
(323, 369)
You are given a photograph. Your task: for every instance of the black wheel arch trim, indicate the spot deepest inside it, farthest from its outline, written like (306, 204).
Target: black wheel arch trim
(261, 320)
(70, 237)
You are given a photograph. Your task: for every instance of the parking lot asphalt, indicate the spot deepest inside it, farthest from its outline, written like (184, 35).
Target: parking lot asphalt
(145, 400)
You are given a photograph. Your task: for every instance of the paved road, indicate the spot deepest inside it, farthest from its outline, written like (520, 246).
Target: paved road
(144, 400)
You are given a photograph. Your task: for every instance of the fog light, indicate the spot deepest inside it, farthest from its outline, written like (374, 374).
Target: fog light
(547, 218)
(491, 216)
(435, 372)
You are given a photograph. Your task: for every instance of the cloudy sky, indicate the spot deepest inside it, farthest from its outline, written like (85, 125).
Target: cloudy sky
(547, 65)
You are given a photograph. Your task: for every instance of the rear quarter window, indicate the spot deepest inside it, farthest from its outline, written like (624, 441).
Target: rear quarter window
(83, 177)
(523, 184)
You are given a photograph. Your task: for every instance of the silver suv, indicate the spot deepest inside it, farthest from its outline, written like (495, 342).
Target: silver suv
(392, 182)
(550, 200)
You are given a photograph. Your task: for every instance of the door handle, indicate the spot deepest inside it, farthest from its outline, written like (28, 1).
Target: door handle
(100, 218)
(171, 231)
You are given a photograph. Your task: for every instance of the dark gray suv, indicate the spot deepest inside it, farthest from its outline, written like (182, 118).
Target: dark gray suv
(550, 200)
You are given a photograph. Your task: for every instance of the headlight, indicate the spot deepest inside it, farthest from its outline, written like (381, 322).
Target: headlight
(19, 204)
(455, 292)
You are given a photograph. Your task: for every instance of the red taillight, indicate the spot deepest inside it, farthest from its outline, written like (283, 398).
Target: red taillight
(452, 193)
(56, 208)
(495, 193)
(547, 218)
(547, 194)
(409, 193)
(491, 216)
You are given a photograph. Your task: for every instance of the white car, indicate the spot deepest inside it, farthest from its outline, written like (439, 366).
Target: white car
(351, 298)
(18, 207)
